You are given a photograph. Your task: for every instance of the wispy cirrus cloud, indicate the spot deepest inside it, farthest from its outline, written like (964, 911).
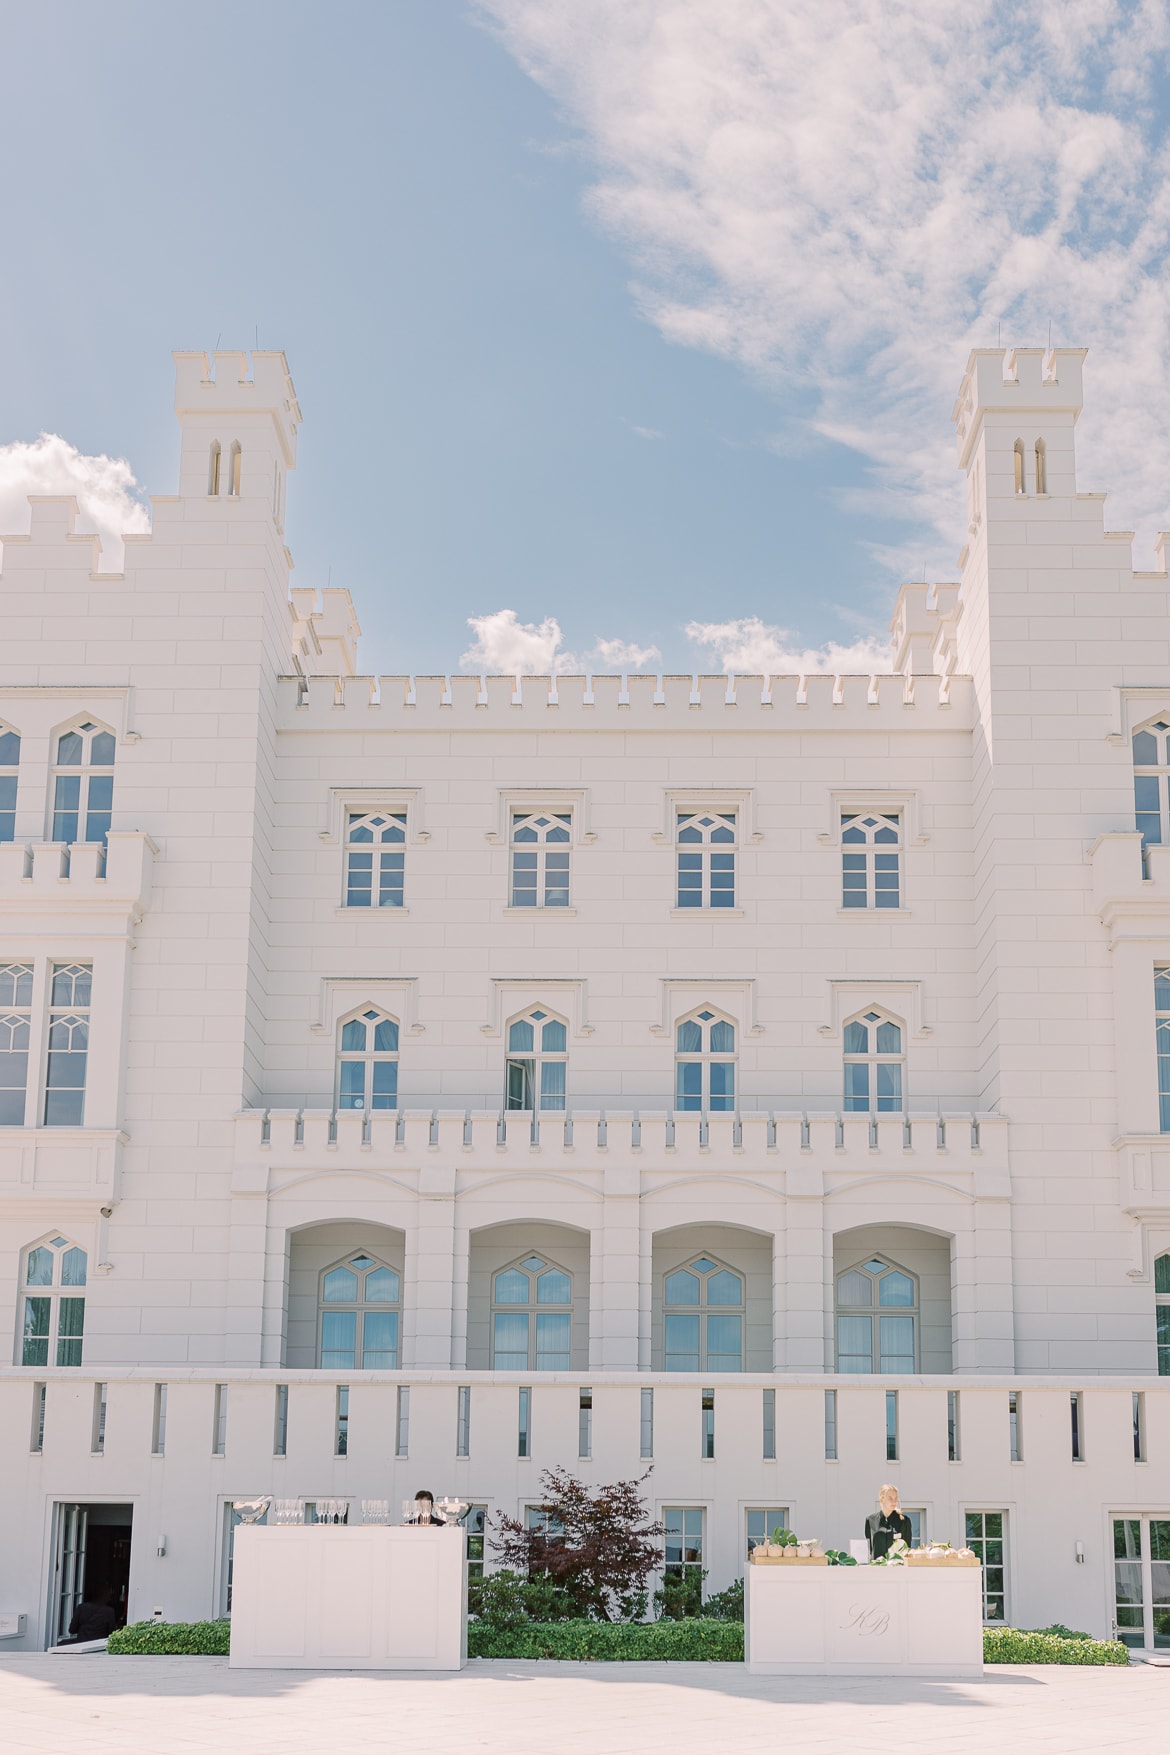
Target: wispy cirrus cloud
(845, 195)
(104, 488)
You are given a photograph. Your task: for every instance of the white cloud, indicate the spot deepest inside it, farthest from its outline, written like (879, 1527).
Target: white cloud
(648, 433)
(104, 488)
(504, 645)
(750, 647)
(845, 195)
(624, 655)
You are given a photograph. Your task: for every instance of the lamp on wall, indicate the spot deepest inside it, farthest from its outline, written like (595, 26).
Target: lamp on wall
(161, 1546)
(1080, 1553)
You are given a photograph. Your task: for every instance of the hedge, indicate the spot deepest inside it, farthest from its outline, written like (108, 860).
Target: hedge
(171, 1639)
(688, 1641)
(1011, 1645)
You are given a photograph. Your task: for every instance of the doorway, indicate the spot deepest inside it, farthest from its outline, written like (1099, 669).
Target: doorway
(91, 1562)
(1141, 1575)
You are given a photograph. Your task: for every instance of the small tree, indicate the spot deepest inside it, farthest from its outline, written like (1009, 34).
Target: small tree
(598, 1544)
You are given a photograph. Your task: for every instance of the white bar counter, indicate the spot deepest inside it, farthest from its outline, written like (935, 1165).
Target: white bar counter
(335, 1597)
(864, 1621)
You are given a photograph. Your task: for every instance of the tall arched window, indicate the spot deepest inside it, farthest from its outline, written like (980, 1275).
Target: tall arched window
(1151, 781)
(873, 1064)
(213, 463)
(9, 770)
(538, 1056)
(705, 1062)
(706, 859)
(877, 1318)
(360, 1309)
(83, 784)
(53, 1313)
(1018, 465)
(532, 1316)
(375, 857)
(1162, 1312)
(1041, 467)
(703, 1317)
(16, 986)
(235, 463)
(367, 1071)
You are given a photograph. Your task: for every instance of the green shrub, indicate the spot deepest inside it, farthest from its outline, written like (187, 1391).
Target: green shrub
(687, 1641)
(1059, 1631)
(1012, 1645)
(509, 1599)
(171, 1639)
(724, 1605)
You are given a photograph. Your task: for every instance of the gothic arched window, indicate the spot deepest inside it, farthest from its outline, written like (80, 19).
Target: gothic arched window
(367, 1066)
(360, 1309)
(532, 1316)
(705, 1062)
(877, 1318)
(53, 1303)
(538, 1058)
(703, 1313)
(873, 1064)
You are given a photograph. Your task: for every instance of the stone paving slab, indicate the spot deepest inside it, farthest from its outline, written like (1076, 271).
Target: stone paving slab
(97, 1705)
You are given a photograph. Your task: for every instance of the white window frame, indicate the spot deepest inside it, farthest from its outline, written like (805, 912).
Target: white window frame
(529, 1067)
(87, 726)
(532, 1310)
(706, 823)
(1162, 1303)
(56, 1291)
(1004, 1512)
(17, 978)
(386, 851)
(9, 770)
(1157, 726)
(370, 1016)
(74, 1018)
(869, 858)
(781, 1512)
(873, 1019)
(542, 825)
(359, 1307)
(706, 1017)
(875, 1311)
(703, 1310)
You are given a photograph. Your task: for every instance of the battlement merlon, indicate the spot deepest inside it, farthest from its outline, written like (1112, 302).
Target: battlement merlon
(1026, 380)
(218, 403)
(922, 628)
(325, 631)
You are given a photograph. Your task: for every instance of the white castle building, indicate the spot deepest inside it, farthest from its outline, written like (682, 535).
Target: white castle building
(421, 1081)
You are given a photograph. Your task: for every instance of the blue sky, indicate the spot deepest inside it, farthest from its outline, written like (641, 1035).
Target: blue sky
(596, 310)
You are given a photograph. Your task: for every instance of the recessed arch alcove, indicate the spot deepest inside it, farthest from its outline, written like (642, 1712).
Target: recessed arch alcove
(906, 1270)
(550, 1264)
(735, 1250)
(315, 1250)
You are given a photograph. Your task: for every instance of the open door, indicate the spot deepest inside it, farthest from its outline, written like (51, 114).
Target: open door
(91, 1562)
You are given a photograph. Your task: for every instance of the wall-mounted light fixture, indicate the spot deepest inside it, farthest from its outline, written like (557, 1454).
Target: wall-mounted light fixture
(1080, 1553)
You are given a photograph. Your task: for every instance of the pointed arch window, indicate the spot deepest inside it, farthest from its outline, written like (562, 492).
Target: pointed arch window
(70, 994)
(706, 859)
(375, 858)
(213, 463)
(53, 1306)
(1018, 466)
(873, 1064)
(235, 465)
(540, 859)
(16, 987)
(1151, 781)
(532, 1316)
(1162, 1312)
(9, 773)
(83, 784)
(367, 1075)
(703, 1317)
(705, 1062)
(360, 1313)
(871, 859)
(1041, 467)
(538, 1060)
(877, 1318)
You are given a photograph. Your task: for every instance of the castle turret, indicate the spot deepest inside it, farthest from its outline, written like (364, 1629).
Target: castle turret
(239, 432)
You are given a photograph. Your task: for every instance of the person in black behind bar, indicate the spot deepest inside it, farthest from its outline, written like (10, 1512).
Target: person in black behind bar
(424, 1509)
(880, 1530)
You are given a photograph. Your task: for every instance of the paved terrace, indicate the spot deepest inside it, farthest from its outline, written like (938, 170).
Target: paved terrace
(88, 1705)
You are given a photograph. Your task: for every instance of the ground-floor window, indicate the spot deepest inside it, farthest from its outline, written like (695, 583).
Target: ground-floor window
(683, 1559)
(1141, 1581)
(986, 1532)
(761, 1523)
(476, 1520)
(231, 1522)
